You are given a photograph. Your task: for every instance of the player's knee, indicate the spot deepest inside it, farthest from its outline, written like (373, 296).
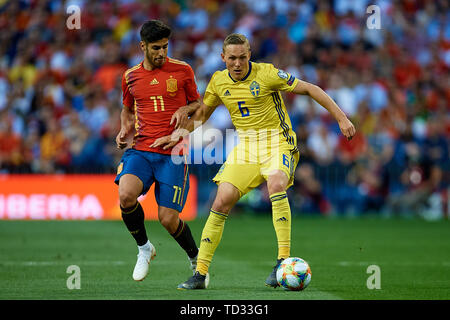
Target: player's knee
(276, 187)
(222, 204)
(276, 184)
(127, 198)
(227, 196)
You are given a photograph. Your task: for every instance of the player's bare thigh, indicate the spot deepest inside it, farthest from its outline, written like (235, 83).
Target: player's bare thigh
(226, 197)
(277, 181)
(130, 187)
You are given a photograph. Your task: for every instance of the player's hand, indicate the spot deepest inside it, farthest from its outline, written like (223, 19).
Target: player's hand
(180, 117)
(347, 128)
(161, 142)
(169, 141)
(121, 140)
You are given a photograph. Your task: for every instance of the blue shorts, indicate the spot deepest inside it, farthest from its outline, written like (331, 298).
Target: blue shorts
(171, 179)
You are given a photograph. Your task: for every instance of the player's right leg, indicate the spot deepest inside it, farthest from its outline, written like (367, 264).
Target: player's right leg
(237, 176)
(134, 179)
(227, 196)
(130, 188)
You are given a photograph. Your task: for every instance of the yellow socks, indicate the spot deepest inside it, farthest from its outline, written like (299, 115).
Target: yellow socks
(281, 218)
(211, 236)
(212, 232)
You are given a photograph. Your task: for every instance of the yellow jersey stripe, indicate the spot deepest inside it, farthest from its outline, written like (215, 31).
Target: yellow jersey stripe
(282, 117)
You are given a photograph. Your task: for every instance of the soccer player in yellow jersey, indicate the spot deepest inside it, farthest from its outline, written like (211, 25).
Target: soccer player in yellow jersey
(267, 150)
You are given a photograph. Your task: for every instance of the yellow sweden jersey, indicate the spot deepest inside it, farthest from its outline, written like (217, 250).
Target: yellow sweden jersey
(258, 112)
(255, 102)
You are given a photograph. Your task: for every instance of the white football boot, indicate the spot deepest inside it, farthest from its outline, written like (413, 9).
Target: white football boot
(147, 252)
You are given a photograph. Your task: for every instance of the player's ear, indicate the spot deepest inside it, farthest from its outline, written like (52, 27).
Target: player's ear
(222, 56)
(142, 44)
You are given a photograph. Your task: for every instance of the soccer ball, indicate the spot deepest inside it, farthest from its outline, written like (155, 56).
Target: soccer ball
(294, 274)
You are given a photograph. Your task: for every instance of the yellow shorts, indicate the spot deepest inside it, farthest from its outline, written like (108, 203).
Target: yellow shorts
(246, 169)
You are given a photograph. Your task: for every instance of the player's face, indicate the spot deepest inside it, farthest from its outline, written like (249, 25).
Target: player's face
(155, 52)
(236, 57)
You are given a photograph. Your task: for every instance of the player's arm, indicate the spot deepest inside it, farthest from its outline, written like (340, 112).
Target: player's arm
(181, 116)
(319, 95)
(127, 119)
(201, 115)
(210, 101)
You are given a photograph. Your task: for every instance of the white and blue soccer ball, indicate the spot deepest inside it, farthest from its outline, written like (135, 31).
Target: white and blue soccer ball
(294, 274)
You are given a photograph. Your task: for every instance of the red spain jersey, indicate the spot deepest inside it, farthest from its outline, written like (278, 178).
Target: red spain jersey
(154, 96)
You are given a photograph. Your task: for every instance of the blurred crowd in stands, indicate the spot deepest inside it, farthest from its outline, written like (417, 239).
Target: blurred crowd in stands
(60, 92)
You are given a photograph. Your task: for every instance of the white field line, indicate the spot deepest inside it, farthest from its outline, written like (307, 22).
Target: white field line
(119, 262)
(323, 294)
(59, 263)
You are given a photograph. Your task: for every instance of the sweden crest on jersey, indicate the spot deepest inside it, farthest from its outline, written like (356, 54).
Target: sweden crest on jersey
(254, 88)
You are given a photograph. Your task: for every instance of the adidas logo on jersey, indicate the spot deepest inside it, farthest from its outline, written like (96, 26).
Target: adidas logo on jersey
(207, 240)
(282, 219)
(227, 93)
(154, 81)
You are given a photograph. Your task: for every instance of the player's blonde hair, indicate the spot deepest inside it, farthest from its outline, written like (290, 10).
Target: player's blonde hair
(235, 38)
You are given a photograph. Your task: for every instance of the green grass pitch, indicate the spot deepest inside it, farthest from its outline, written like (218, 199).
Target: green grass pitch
(413, 257)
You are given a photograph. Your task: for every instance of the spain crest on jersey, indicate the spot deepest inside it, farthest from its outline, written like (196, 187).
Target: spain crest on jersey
(254, 88)
(172, 86)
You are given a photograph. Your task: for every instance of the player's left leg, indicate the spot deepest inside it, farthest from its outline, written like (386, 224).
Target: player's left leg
(281, 219)
(281, 212)
(171, 190)
(279, 179)
(180, 231)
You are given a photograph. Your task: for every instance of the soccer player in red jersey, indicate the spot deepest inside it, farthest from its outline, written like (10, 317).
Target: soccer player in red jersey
(159, 94)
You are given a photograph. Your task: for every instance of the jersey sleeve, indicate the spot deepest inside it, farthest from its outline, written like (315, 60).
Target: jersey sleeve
(191, 86)
(279, 80)
(211, 98)
(127, 97)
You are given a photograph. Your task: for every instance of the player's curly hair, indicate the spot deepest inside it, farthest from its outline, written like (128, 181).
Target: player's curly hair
(154, 30)
(235, 38)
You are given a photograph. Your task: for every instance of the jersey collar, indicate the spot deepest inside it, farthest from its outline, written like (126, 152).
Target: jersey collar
(246, 76)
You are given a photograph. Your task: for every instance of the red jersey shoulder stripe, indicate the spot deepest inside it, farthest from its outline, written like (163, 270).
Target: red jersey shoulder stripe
(131, 70)
(177, 61)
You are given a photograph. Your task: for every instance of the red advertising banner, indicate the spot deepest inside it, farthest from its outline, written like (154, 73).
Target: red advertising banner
(74, 197)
